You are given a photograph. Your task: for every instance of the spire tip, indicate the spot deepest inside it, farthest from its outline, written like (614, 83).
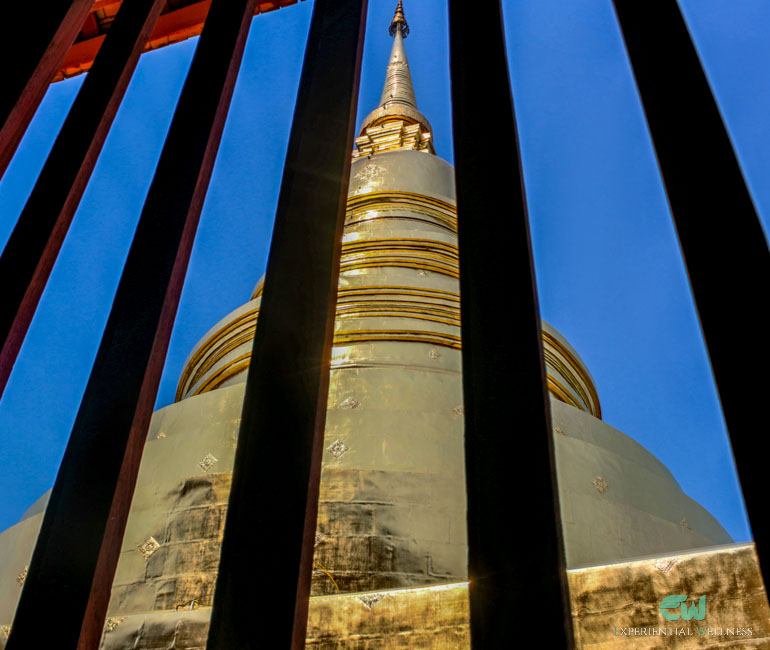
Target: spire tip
(399, 22)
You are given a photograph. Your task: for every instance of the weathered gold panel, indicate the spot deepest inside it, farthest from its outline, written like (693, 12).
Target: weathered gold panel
(397, 284)
(182, 570)
(615, 606)
(380, 530)
(619, 605)
(426, 617)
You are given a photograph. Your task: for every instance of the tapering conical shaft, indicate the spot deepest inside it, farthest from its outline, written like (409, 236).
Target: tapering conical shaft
(398, 101)
(398, 80)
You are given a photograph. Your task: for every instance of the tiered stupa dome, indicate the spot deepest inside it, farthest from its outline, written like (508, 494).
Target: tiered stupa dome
(392, 497)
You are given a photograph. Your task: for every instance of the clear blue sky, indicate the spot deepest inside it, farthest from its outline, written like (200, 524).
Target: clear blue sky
(609, 271)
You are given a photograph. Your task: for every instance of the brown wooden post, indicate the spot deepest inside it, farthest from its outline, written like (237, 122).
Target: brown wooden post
(723, 245)
(31, 251)
(509, 454)
(31, 61)
(271, 517)
(79, 542)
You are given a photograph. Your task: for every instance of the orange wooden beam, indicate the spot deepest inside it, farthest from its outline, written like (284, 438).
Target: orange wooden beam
(173, 26)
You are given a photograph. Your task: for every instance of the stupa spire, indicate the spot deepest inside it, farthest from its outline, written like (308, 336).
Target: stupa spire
(398, 103)
(398, 80)
(399, 22)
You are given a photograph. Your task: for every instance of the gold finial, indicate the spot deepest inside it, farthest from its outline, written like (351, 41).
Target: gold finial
(399, 22)
(396, 124)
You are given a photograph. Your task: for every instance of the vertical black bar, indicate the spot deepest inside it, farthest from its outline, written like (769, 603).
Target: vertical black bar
(79, 542)
(510, 469)
(36, 37)
(274, 496)
(724, 248)
(31, 251)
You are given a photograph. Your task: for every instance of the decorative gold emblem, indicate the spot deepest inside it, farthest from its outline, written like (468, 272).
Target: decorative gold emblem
(5, 630)
(338, 449)
(349, 403)
(148, 548)
(319, 538)
(22, 576)
(160, 435)
(665, 566)
(209, 460)
(684, 524)
(370, 600)
(369, 172)
(558, 430)
(111, 623)
(434, 353)
(600, 484)
(458, 411)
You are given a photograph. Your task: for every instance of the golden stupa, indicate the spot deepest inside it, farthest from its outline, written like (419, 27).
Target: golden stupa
(390, 565)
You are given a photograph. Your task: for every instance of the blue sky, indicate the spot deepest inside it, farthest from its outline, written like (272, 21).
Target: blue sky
(609, 271)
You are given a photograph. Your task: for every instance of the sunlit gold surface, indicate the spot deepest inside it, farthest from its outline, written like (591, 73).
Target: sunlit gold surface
(410, 205)
(215, 380)
(369, 312)
(393, 135)
(607, 602)
(391, 290)
(396, 124)
(562, 363)
(211, 348)
(560, 392)
(423, 617)
(606, 599)
(390, 559)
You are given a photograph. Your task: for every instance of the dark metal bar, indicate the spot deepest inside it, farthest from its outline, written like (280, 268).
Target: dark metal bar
(31, 251)
(34, 44)
(724, 248)
(274, 494)
(510, 469)
(79, 542)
